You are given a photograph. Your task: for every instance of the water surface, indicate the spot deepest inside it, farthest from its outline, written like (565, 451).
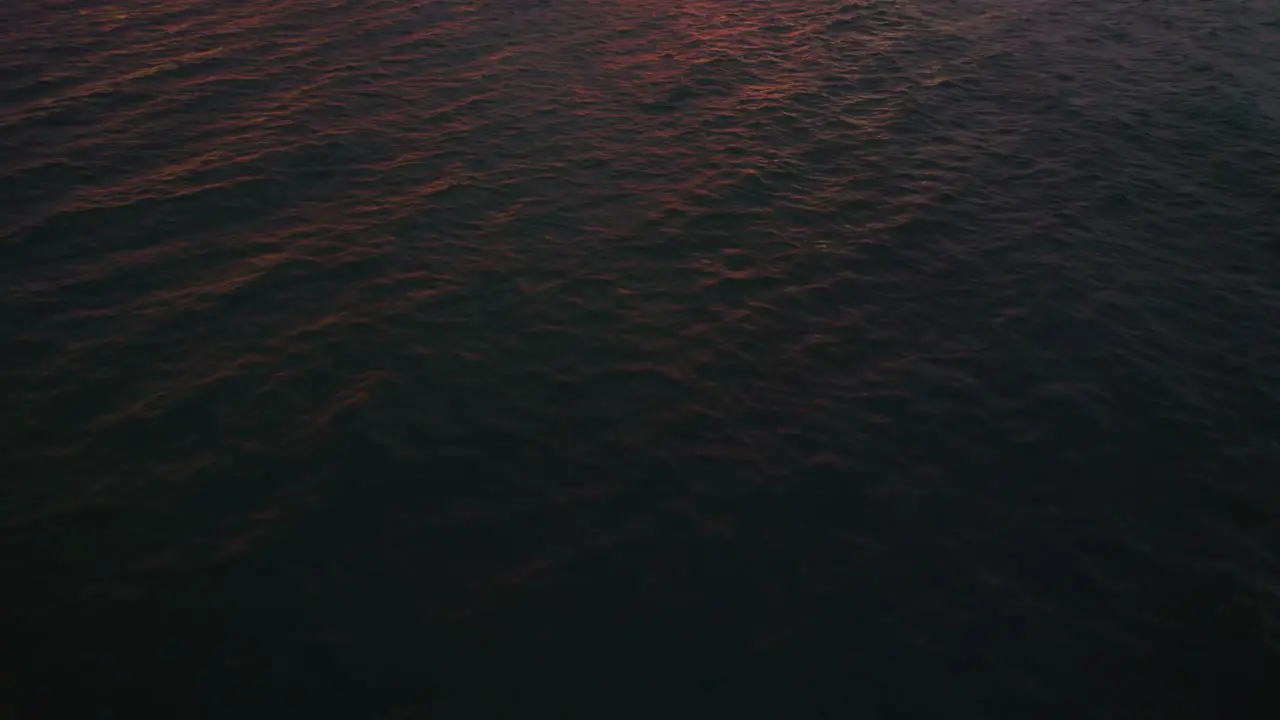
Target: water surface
(394, 359)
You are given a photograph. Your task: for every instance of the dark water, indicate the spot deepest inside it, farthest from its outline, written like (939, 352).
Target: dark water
(584, 358)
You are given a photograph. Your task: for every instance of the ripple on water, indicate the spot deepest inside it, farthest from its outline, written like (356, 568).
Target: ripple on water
(882, 340)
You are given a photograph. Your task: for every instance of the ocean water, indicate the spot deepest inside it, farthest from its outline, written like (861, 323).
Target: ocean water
(596, 358)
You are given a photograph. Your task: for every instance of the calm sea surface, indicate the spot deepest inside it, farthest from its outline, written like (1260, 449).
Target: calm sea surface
(590, 358)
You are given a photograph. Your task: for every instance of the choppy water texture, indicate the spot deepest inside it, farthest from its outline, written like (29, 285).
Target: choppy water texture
(906, 359)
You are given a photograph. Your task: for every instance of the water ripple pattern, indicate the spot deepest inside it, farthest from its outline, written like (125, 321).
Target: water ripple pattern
(925, 343)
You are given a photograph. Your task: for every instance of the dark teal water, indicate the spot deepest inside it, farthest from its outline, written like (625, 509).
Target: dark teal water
(591, 358)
